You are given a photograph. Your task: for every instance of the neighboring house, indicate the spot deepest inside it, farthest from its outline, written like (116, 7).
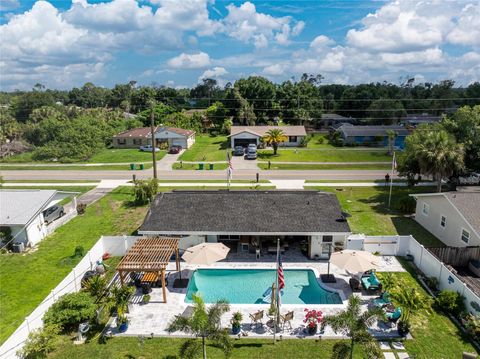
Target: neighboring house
(247, 220)
(142, 136)
(22, 211)
(415, 120)
(244, 135)
(333, 120)
(372, 135)
(453, 217)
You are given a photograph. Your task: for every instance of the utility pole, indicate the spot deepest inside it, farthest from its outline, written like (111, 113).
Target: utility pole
(152, 132)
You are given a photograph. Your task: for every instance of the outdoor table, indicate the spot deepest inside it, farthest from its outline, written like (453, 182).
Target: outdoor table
(150, 277)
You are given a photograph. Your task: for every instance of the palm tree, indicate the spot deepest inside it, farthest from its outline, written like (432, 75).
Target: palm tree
(411, 300)
(274, 137)
(437, 153)
(354, 323)
(203, 323)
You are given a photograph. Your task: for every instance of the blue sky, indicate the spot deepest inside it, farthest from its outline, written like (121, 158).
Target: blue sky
(179, 42)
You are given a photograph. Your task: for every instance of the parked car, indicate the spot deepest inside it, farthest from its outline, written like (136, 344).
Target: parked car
(251, 153)
(252, 146)
(175, 149)
(238, 151)
(148, 148)
(52, 213)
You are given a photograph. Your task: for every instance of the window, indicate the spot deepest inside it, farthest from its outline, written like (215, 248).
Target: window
(137, 141)
(121, 141)
(443, 221)
(327, 239)
(245, 247)
(292, 139)
(425, 209)
(465, 235)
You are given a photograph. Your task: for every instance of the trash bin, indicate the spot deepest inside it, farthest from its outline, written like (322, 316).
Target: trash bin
(200, 166)
(210, 166)
(142, 166)
(132, 166)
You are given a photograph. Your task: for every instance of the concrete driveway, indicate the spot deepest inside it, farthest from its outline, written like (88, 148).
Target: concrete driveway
(166, 163)
(240, 163)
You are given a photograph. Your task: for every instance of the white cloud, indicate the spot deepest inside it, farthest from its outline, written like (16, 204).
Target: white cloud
(426, 57)
(321, 41)
(215, 72)
(190, 61)
(274, 70)
(7, 5)
(467, 31)
(244, 23)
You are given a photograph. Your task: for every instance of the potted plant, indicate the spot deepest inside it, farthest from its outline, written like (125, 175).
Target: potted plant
(312, 319)
(146, 298)
(236, 322)
(122, 321)
(403, 327)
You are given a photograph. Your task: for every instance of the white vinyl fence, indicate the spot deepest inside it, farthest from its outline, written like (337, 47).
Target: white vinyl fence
(116, 246)
(423, 259)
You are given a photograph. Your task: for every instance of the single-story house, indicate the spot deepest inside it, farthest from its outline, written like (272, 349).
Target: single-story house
(332, 119)
(372, 135)
(22, 212)
(453, 217)
(415, 120)
(244, 135)
(247, 221)
(137, 137)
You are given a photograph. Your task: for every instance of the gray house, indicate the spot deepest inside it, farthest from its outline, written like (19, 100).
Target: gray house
(453, 217)
(372, 135)
(244, 221)
(244, 135)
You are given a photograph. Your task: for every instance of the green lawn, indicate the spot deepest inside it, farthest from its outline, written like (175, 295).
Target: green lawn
(108, 155)
(194, 166)
(293, 166)
(13, 167)
(207, 148)
(324, 155)
(72, 188)
(52, 181)
(319, 140)
(370, 215)
(434, 334)
(27, 279)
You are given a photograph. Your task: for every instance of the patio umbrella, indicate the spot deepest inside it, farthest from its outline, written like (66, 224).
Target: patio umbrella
(354, 261)
(205, 253)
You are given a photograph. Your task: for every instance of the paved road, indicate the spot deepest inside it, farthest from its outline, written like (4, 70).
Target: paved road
(196, 175)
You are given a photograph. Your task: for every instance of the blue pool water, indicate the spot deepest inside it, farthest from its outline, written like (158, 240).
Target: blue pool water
(246, 286)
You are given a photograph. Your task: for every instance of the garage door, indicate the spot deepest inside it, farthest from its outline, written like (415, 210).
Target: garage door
(244, 141)
(179, 142)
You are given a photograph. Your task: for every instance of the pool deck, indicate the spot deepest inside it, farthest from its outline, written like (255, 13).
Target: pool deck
(152, 319)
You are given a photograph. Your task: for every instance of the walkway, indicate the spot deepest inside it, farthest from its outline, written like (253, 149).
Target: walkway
(104, 187)
(166, 163)
(288, 184)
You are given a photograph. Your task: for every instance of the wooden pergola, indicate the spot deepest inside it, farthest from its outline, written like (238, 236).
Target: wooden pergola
(150, 255)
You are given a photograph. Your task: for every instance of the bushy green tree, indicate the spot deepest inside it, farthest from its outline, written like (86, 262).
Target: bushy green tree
(385, 111)
(70, 310)
(145, 191)
(216, 113)
(40, 342)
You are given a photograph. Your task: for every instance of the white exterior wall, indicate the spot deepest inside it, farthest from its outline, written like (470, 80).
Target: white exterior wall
(174, 138)
(316, 243)
(292, 144)
(36, 230)
(450, 235)
(244, 135)
(190, 241)
(190, 141)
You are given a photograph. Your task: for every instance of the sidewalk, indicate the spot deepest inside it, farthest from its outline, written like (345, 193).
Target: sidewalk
(325, 163)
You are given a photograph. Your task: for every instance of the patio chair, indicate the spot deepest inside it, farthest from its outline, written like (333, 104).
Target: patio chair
(394, 316)
(370, 282)
(354, 284)
(286, 320)
(256, 318)
(382, 301)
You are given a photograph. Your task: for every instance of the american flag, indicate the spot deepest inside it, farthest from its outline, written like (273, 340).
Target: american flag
(229, 168)
(281, 277)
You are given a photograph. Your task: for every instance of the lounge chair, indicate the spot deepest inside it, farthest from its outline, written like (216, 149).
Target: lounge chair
(354, 284)
(370, 282)
(394, 316)
(382, 301)
(286, 320)
(256, 318)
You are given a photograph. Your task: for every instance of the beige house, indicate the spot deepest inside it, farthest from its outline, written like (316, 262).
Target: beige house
(244, 135)
(137, 137)
(453, 217)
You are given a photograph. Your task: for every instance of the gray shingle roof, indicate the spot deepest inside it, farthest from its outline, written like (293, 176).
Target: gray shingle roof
(244, 212)
(468, 203)
(17, 207)
(349, 131)
(262, 130)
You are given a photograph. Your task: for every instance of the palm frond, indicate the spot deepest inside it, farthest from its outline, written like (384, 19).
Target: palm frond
(180, 323)
(341, 350)
(191, 349)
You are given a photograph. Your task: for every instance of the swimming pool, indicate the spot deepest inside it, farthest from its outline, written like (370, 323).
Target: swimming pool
(246, 286)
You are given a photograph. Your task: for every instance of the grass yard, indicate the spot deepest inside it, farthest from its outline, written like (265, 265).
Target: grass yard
(52, 181)
(108, 155)
(13, 167)
(298, 166)
(324, 155)
(319, 140)
(370, 215)
(27, 279)
(434, 334)
(72, 188)
(194, 166)
(207, 148)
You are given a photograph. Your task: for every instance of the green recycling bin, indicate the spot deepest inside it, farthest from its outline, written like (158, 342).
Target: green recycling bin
(142, 166)
(200, 166)
(210, 166)
(132, 166)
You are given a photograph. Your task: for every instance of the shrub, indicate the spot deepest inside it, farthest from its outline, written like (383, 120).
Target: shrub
(145, 191)
(6, 237)
(432, 283)
(81, 207)
(70, 310)
(450, 302)
(96, 286)
(40, 342)
(407, 204)
(79, 252)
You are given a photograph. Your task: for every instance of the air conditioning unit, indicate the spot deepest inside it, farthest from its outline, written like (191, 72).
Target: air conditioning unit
(18, 247)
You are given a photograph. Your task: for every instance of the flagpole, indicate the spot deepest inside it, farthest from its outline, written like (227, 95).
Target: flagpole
(228, 170)
(277, 296)
(391, 181)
